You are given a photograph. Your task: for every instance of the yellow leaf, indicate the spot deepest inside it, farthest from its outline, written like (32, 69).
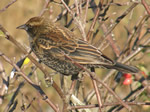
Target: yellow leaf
(26, 61)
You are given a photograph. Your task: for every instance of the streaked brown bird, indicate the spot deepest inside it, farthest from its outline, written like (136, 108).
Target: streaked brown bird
(48, 40)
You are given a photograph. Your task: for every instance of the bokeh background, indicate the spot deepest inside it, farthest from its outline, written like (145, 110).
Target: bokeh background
(19, 12)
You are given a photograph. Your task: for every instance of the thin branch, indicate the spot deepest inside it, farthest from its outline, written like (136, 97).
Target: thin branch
(146, 6)
(5, 83)
(117, 21)
(93, 75)
(17, 91)
(86, 11)
(8, 5)
(78, 22)
(45, 7)
(108, 104)
(112, 42)
(65, 11)
(126, 59)
(38, 88)
(77, 7)
(97, 94)
(93, 24)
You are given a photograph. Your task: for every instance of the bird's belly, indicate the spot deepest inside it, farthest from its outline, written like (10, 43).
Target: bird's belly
(62, 66)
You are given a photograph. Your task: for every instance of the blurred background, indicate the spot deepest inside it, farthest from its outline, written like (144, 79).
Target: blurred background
(21, 10)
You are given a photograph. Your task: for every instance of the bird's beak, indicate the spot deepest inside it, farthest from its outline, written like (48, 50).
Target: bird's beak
(24, 27)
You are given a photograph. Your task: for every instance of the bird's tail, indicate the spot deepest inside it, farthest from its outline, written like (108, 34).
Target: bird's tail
(124, 68)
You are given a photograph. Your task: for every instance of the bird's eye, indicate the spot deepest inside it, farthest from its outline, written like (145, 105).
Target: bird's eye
(29, 28)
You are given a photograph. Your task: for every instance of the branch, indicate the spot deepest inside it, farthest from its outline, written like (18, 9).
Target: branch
(38, 88)
(93, 76)
(146, 6)
(8, 5)
(108, 104)
(78, 22)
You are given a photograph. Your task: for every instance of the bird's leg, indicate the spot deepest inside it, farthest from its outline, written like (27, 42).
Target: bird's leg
(62, 81)
(70, 91)
(92, 69)
(74, 80)
(74, 77)
(78, 83)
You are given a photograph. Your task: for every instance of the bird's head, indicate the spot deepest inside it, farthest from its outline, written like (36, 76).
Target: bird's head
(33, 26)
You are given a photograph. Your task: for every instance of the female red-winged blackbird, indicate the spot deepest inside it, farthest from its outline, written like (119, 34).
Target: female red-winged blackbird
(48, 40)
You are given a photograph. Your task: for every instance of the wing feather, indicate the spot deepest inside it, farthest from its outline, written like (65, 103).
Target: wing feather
(80, 51)
(88, 54)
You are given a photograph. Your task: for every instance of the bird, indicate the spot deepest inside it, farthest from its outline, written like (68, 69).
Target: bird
(52, 42)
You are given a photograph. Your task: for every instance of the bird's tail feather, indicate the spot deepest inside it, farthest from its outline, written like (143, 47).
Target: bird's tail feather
(124, 68)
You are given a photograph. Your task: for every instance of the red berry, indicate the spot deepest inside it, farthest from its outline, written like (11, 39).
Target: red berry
(144, 74)
(127, 81)
(127, 75)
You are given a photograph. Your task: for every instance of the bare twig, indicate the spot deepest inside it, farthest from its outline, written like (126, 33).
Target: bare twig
(8, 5)
(112, 42)
(86, 10)
(117, 21)
(93, 24)
(5, 83)
(93, 75)
(97, 94)
(129, 57)
(65, 11)
(108, 104)
(146, 6)
(77, 21)
(77, 7)
(38, 88)
(45, 7)
(17, 91)
(134, 35)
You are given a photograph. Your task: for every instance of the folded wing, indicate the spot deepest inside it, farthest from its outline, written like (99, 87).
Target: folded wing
(78, 50)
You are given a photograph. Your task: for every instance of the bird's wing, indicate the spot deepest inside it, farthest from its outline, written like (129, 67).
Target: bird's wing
(88, 54)
(78, 50)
